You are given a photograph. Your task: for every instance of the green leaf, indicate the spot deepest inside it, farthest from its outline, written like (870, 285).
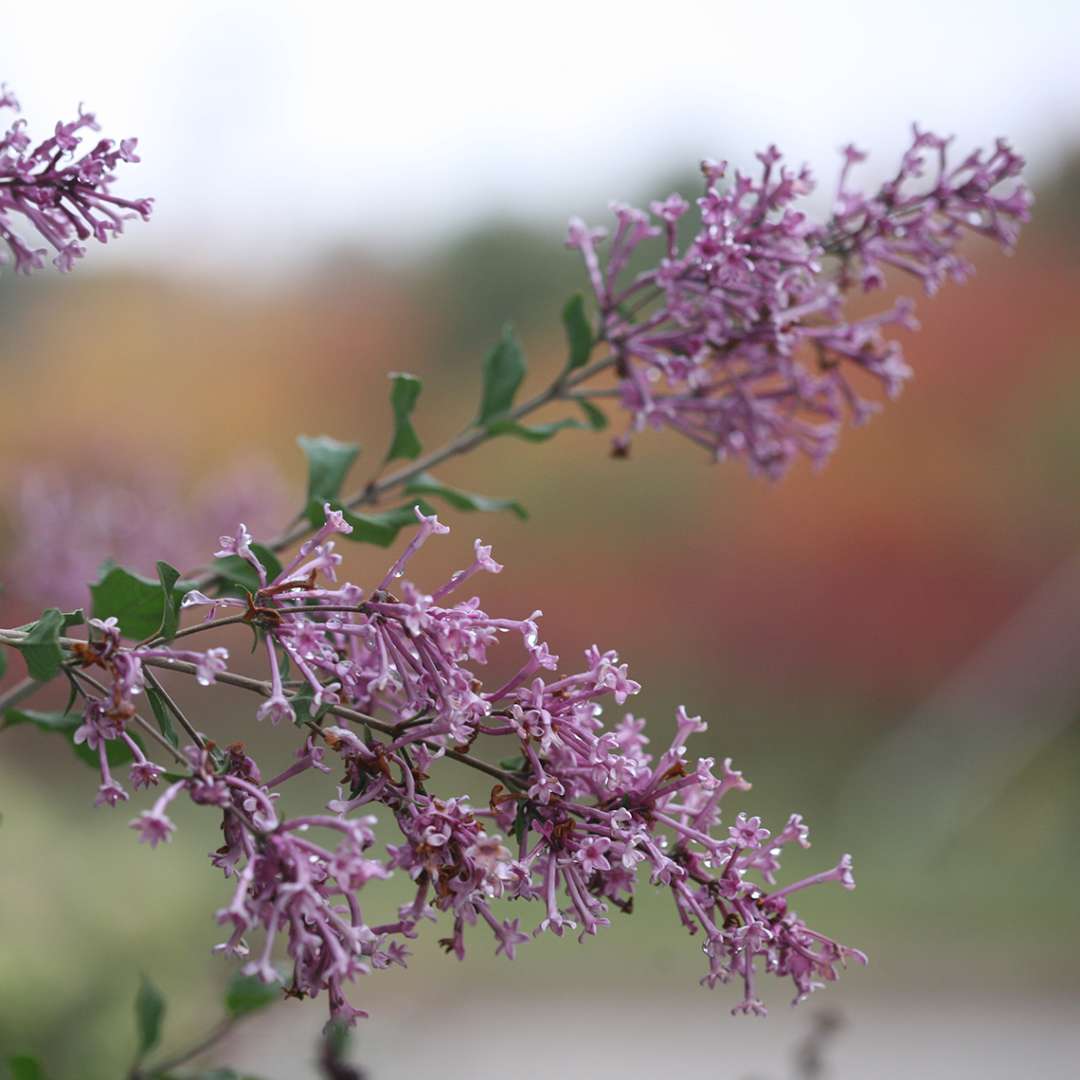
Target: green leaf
(380, 529)
(403, 396)
(517, 763)
(41, 646)
(248, 993)
(328, 462)
(240, 576)
(149, 1012)
(117, 752)
(170, 601)
(594, 417)
(536, 432)
(24, 1067)
(137, 602)
(425, 484)
(162, 713)
(504, 369)
(579, 335)
(3, 662)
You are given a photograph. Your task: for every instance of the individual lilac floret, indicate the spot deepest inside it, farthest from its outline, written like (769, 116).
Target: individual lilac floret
(739, 338)
(62, 196)
(152, 825)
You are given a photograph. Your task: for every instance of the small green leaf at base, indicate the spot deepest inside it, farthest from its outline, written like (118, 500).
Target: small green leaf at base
(41, 646)
(425, 484)
(248, 993)
(403, 397)
(594, 417)
(137, 602)
(579, 335)
(170, 601)
(162, 713)
(149, 1013)
(533, 432)
(504, 370)
(328, 462)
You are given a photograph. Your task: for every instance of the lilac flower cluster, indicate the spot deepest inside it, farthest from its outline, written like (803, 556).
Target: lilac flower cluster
(63, 196)
(739, 339)
(380, 686)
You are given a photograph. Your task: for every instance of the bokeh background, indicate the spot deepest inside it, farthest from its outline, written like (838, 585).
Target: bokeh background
(891, 647)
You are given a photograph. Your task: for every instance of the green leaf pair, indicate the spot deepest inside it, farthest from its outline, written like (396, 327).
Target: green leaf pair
(504, 371)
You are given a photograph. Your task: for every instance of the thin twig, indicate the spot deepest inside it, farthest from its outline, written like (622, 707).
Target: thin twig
(471, 437)
(216, 1035)
(17, 692)
(257, 686)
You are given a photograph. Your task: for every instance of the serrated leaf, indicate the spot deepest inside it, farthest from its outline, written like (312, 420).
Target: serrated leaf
(534, 432)
(594, 417)
(240, 576)
(380, 529)
(425, 484)
(504, 369)
(137, 602)
(162, 713)
(248, 993)
(25, 1067)
(328, 462)
(579, 335)
(403, 397)
(170, 602)
(41, 646)
(117, 752)
(149, 1013)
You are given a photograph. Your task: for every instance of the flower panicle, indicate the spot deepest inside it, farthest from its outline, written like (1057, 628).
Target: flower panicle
(59, 191)
(738, 337)
(584, 811)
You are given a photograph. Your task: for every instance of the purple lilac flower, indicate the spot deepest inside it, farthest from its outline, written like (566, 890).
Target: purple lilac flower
(581, 815)
(61, 195)
(739, 339)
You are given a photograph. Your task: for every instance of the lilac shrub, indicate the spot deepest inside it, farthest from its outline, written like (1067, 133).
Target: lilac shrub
(376, 684)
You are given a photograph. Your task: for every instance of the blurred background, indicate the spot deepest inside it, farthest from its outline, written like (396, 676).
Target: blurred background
(891, 647)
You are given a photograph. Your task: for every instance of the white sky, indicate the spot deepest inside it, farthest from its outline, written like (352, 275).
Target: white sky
(271, 129)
